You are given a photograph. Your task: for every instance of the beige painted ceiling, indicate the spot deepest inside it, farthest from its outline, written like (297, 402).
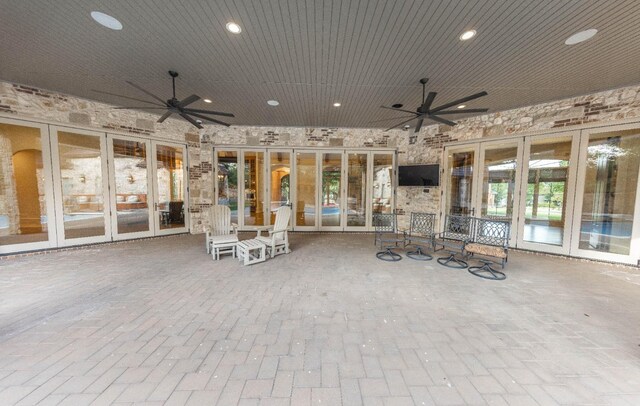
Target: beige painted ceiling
(310, 54)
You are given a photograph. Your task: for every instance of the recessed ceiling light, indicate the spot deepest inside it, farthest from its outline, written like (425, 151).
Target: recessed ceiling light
(273, 102)
(407, 126)
(199, 121)
(336, 104)
(106, 20)
(234, 28)
(207, 100)
(581, 36)
(462, 106)
(397, 105)
(467, 35)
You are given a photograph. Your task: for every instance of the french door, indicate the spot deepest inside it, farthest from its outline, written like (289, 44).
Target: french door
(148, 187)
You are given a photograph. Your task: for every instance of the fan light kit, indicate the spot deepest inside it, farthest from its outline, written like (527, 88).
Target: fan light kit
(173, 105)
(336, 105)
(106, 20)
(462, 106)
(273, 103)
(233, 28)
(581, 36)
(425, 111)
(206, 100)
(468, 35)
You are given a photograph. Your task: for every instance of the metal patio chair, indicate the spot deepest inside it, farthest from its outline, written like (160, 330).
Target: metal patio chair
(387, 236)
(491, 239)
(458, 231)
(421, 233)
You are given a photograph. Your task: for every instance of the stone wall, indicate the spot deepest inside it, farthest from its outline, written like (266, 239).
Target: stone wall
(425, 147)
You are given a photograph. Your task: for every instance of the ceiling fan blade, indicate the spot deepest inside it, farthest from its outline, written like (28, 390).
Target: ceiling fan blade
(462, 111)
(428, 101)
(209, 119)
(387, 119)
(127, 97)
(406, 111)
(188, 100)
(419, 125)
(399, 124)
(459, 101)
(191, 120)
(139, 107)
(215, 113)
(165, 116)
(147, 92)
(442, 120)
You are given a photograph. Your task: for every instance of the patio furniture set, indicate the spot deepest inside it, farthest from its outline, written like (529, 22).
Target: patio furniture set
(463, 238)
(222, 237)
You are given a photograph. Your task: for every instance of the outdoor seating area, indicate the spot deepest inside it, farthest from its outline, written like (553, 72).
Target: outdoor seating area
(483, 239)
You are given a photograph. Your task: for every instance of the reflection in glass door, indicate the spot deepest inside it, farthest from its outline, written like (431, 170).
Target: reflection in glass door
(549, 181)
(254, 188)
(498, 180)
(26, 190)
(227, 187)
(382, 183)
(81, 186)
(357, 181)
(280, 181)
(130, 194)
(608, 185)
(170, 188)
(331, 192)
(306, 179)
(460, 187)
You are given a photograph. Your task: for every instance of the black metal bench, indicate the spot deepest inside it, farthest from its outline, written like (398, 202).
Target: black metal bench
(490, 240)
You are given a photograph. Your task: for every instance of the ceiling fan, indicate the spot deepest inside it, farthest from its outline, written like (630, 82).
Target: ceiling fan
(174, 106)
(424, 111)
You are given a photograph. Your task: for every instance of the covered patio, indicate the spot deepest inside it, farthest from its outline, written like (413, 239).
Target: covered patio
(154, 321)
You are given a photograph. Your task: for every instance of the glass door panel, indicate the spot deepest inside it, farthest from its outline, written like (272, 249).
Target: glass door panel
(499, 181)
(254, 186)
(130, 192)
(280, 181)
(26, 190)
(357, 181)
(382, 184)
(81, 185)
(331, 192)
(228, 181)
(459, 188)
(608, 186)
(170, 188)
(306, 190)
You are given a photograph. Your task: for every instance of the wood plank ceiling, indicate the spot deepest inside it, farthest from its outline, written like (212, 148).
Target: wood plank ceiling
(310, 54)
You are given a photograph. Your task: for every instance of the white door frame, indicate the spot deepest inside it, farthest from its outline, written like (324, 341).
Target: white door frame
(112, 190)
(57, 180)
(634, 249)
(45, 143)
(156, 191)
(570, 185)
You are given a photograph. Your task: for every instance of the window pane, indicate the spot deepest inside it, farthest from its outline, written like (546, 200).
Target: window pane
(23, 216)
(306, 189)
(331, 184)
(547, 190)
(131, 183)
(253, 188)
(280, 181)
(610, 184)
(228, 181)
(357, 190)
(170, 172)
(499, 182)
(82, 194)
(460, 199)
(382, 183)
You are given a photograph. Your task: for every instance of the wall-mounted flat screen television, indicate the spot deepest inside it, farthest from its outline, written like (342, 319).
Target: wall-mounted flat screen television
(419, 175)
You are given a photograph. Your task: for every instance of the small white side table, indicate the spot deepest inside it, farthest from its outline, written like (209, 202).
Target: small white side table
(251, 251)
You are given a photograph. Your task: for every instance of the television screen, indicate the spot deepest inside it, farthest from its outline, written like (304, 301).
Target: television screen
(419, 175)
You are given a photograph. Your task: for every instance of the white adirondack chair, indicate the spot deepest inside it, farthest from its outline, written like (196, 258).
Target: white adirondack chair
(222, 230)
(278, 240)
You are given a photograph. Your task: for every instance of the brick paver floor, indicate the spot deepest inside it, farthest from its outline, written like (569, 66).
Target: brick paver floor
(159, 322)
